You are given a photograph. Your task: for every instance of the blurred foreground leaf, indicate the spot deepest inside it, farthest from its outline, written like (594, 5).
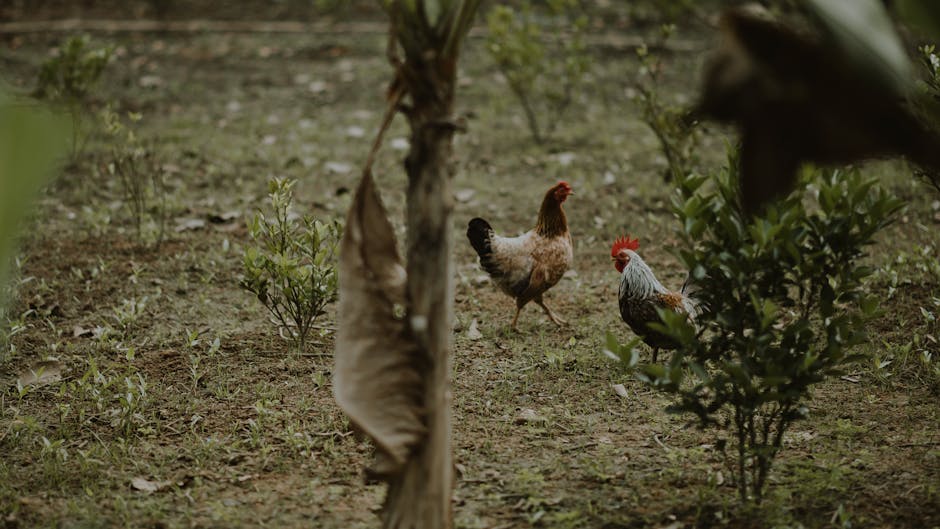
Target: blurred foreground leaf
(31, 142)
(831, 98)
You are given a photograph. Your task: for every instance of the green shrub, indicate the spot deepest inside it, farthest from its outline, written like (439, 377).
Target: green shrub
(543, 75)
(678, 137)
(69, 77)
(784, 304)
(136, 167)
(292, 268)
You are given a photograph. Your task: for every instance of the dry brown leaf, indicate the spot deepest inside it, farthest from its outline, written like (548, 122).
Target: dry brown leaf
(42, 374)
(473, 332)
(529, 416)
(377, 379)
(146, 485)
(620, 390)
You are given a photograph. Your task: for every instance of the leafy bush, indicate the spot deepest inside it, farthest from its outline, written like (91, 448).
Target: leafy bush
(931, 89)
(68, 77)
(677, 137)
(140, 174)
(543, 76)
(784, 303)
(292, 269)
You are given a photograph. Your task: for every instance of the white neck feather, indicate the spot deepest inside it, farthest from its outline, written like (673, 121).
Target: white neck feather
(637, 280)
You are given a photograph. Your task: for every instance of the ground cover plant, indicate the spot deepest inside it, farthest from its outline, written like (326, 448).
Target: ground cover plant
(226, 428)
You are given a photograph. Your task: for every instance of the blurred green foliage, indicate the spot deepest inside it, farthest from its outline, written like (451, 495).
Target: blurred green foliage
(31, 142)
(72, 73)
(68, 78)
(678, 137)
(543, 57)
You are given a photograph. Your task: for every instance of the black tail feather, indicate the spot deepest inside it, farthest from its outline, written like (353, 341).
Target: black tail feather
(479, 232)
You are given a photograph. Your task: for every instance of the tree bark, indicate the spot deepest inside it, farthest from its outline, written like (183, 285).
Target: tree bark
(420, 496)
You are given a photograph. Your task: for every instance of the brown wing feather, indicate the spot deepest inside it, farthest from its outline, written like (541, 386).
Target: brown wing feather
(551, 256)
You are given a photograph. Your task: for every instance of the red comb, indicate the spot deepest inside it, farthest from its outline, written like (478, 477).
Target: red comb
(624, 243)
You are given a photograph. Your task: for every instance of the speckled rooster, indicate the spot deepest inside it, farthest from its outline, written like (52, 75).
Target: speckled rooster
(641, 294)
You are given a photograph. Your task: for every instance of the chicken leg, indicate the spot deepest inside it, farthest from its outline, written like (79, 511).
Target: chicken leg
(516, 318)
(551, 315)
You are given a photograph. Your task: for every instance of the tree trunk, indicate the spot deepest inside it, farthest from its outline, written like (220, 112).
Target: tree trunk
(420, 496)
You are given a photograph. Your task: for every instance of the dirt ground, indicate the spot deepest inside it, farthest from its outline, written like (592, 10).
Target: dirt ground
(246, 434)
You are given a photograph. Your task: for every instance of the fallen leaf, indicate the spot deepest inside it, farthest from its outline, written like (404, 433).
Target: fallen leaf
(565, 158)
(148, 486)
(464, 195)
(80, 332)
(189, 224)
(473, 333)
(42, 374)
(338, 167)
(529, 416)
(150, 81)
(224, 217)
(619, 389)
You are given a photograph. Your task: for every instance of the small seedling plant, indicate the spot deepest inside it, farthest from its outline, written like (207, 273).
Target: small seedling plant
(784, 303)
(135, 165)
(291, 267)
(69, 77)
(544, 75)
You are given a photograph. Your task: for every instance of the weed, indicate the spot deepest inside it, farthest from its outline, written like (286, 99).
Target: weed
(292, 269)
(53, 456)
(196, 372)
(127, 313)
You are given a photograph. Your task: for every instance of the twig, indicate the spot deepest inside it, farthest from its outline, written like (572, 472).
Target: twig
(334, 433)
(660, 443)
